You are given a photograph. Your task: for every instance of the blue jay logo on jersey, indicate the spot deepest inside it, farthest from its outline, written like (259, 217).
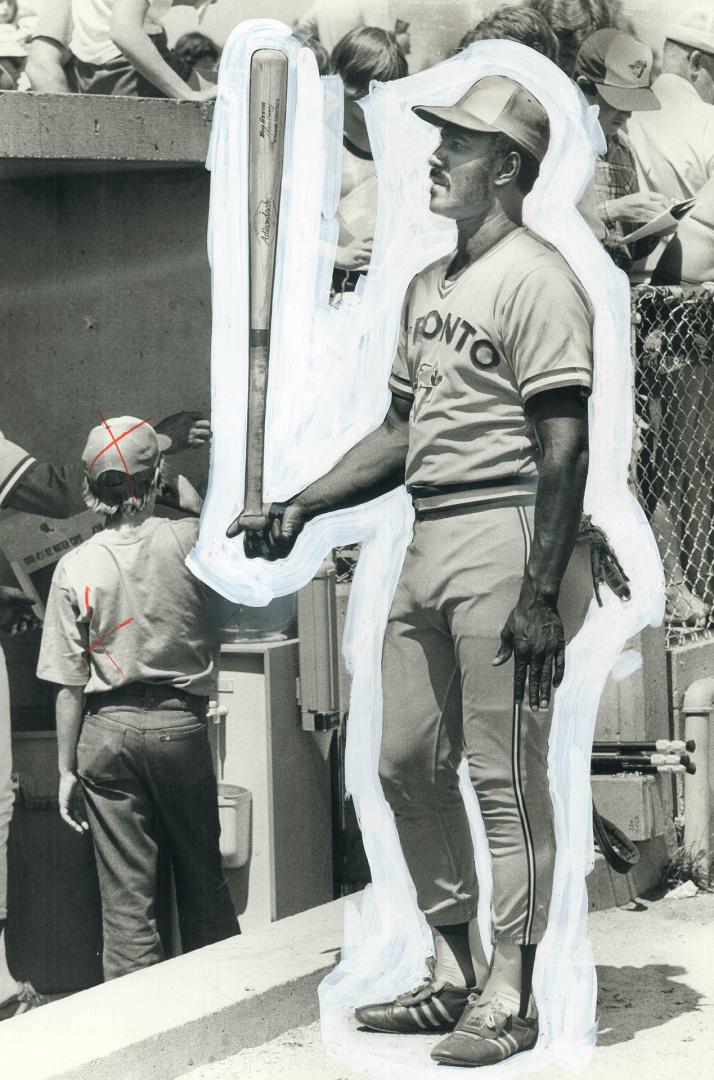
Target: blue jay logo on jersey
(428, 378)
(458, 333)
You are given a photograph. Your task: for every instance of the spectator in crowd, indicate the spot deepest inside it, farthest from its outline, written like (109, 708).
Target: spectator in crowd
(8, 14)
(319, 52)
(12, 47)
(16, 616)
(403, 36)
(40, 487)
(674, 149)
(26, 17)
(330, 20)
(49, 68)
(614, 72)
(514, 22)
(12, 61)
(362, 55)
(120, 47)
(573, 21)
(128, 640)
(200, 52)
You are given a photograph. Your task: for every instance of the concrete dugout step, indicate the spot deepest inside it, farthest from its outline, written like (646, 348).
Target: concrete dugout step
(159, 1023)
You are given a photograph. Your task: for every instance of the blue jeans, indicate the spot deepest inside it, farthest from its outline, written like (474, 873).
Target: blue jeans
(144, 763)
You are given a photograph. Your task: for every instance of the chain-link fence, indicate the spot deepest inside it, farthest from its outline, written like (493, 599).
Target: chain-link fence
(673, 462)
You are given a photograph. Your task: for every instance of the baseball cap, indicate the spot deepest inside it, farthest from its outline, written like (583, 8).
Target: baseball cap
(124, 444)
(695, 29)
(621, 68)
(496, 104)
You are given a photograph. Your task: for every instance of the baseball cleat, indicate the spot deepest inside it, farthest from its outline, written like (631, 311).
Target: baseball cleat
(488, 1033)
(429, 1008)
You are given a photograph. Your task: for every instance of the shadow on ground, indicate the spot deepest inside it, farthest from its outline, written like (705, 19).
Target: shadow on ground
(632, 999)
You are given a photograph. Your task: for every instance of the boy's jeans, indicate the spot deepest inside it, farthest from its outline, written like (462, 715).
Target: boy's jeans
(144, 762)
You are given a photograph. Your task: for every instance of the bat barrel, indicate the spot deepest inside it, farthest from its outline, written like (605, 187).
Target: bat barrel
(266, 141)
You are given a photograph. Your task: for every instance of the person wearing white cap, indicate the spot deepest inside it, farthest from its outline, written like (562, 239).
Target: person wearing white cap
(488, 428)
(614, 71)
(674, 149)
(129, 642)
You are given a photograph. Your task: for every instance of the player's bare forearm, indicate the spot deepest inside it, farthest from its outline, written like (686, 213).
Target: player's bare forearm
(371, 468)
(534, 630)
(375, 465)
(559, 504)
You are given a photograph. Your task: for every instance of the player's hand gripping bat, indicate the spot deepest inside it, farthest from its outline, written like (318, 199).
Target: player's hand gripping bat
(267, 109)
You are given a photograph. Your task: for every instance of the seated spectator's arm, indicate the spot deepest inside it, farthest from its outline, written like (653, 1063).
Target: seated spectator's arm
(128, 34)
(639, 207)
(45, 66)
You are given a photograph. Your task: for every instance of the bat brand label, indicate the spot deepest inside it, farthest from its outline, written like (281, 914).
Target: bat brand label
(269, 121)
(264, 220)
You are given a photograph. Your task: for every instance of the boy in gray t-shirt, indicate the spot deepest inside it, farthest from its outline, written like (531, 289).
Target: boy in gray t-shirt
(128, 640)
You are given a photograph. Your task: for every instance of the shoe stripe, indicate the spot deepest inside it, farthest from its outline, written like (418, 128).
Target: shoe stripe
(426, 1011)
(503, 1046)
(510, 1039)
(440, 1007)
(414, 1011)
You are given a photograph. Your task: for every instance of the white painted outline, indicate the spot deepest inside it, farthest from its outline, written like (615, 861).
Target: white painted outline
(328, 387)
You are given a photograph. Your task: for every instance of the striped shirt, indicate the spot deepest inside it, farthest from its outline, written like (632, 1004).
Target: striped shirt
(473, 349)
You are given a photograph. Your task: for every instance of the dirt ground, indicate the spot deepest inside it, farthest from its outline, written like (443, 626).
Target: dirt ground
(655, 966)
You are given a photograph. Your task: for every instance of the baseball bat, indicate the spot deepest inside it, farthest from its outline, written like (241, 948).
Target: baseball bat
(664, 746)
(266, 143)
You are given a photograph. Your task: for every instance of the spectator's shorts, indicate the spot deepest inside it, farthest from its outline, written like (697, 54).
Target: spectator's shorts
(120, 78)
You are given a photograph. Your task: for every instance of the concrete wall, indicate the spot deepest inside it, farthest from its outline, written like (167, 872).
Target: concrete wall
(104, 286)
(104, 306)
(104, 303)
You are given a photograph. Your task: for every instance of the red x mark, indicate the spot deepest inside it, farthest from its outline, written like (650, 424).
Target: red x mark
(102, 638)
(115, 442)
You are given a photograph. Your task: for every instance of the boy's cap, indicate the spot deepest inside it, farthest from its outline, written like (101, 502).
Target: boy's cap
(695, 29)
(496, 104)
(124, 444)
(621, 68)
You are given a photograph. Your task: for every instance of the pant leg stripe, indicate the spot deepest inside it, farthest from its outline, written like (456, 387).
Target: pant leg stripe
(516, 770)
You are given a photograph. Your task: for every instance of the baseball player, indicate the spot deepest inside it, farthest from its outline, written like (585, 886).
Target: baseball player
(488, 428)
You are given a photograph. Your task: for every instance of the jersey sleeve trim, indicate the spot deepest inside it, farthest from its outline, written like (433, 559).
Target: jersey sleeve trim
(401, 387)
(552, 380)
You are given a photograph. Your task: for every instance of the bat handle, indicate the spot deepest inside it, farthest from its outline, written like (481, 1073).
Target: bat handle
(254, 515)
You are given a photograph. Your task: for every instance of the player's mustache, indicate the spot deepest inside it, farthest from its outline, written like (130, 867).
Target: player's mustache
(438, 176)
